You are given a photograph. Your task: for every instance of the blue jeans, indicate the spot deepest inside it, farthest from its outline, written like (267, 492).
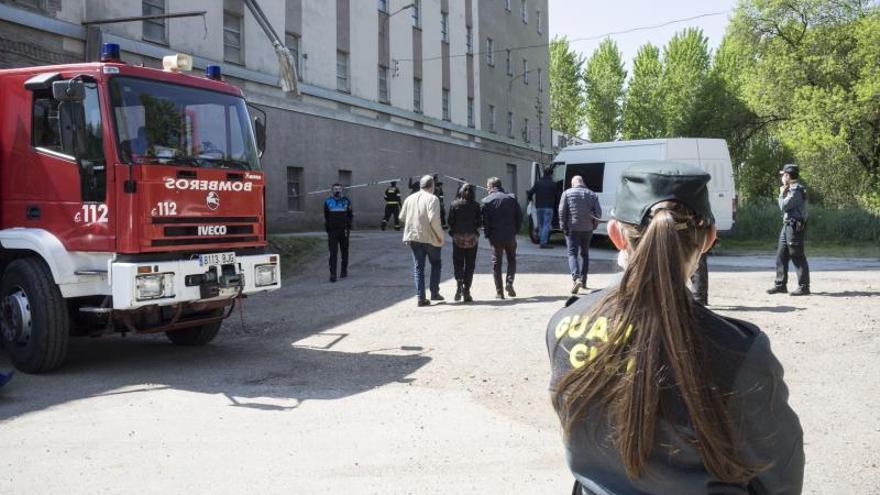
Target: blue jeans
(579, 243)
(421, 250)
(545, 219)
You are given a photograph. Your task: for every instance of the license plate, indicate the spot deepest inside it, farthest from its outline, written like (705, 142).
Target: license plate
(215, 259)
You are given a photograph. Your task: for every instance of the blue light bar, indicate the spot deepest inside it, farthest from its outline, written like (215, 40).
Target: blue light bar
(110, 52)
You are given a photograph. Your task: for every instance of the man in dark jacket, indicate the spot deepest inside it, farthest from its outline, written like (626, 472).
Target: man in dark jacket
(579, 212)
(543, 193)
(502, 218)
(338, 216)
(438, 191)
(392, 206)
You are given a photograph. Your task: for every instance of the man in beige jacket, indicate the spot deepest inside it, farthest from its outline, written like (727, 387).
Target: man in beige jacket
(423, 233)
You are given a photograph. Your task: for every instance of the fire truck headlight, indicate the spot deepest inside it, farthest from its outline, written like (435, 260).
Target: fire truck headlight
(154, 286)
(265, 275)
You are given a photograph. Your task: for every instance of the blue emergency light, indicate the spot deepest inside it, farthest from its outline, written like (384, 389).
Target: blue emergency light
(110, 52)
(213, 72)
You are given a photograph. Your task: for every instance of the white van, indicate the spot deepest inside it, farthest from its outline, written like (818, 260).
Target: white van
(601, 165)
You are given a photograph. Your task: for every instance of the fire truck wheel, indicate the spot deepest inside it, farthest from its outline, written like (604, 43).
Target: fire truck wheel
(197, 335)
(33, 317)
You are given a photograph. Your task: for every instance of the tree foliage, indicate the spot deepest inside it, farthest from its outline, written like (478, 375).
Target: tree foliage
(604, 77)
(566, 90)
(686, 62)
(643, 115)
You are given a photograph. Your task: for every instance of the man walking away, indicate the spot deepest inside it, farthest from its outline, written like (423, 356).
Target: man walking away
(338, 217)
(502, 218)
(424, 234)
(392, 206)
(543, 193)
(579, 211)
(438, 191)
(464, 227)
(793, 203)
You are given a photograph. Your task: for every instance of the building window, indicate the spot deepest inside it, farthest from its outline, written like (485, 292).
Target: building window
(294, 189)
(383, 6)
(342, 71)
(491, 118)
(525, 71)
(154, 29)
(525, 130)
(444, 27)
(232, 50)
(525, 12)
(507, 5)
(417, 13)
(470, 111)
(292, 42)
(538, 21)
(507, 63)
(470, 40)
(383, 84)
(446, 104)
(540, 81)
(490, 52)
(510, 124)
(417, 95)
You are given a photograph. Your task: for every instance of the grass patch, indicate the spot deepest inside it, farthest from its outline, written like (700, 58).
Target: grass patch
(734, 246)
(294, 250)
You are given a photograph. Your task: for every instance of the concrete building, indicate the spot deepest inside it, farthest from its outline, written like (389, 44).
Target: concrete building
(390, 88)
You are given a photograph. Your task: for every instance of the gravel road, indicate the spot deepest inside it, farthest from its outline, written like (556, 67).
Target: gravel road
(335, 388)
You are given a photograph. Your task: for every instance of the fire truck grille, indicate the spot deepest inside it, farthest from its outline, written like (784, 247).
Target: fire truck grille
(203, 240)
(193, 231)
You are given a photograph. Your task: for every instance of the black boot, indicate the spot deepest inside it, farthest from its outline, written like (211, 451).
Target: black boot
(466, 294)
(458, 292)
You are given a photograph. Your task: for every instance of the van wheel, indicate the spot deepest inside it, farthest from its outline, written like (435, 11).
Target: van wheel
(34, 322)
(196, 336)
(534, 235)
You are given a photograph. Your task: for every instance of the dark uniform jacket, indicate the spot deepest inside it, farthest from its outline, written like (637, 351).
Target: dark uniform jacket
(543, 193)
(793, 203)
(464, 217)
(392, 196)
(502, 216)
(741, 363)
(338, 214)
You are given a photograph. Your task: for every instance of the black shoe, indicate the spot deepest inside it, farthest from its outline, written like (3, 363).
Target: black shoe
(777, 290)
(510, 291)
(333, 278)
(458, 293)
(423, 302)
(499, 294)
(343, 274)
(384, 224)
(546, 246)
(437, 297)
(801, 291)
(467, 296)
(576, 287)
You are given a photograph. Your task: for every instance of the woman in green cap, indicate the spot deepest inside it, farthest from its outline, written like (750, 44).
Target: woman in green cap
(657, 394)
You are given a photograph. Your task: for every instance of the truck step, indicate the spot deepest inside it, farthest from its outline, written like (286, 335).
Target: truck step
(95, 310)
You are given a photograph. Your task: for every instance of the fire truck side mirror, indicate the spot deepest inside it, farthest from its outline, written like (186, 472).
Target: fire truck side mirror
(69, 90)
(260, 134)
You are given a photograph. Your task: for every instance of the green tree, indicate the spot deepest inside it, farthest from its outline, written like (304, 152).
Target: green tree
(604, 77)
(566, 90)
(643, 116)
(686, 62)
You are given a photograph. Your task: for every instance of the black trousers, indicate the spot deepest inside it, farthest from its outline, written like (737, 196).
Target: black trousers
(337, 241)
(500, 250)
(791, 247)
(700, 281)
(464, 261)
(392, 211)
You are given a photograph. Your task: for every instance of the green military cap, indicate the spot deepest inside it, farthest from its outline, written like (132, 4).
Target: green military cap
(645, 184)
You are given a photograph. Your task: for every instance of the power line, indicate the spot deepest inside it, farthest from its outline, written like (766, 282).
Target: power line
(577, 40)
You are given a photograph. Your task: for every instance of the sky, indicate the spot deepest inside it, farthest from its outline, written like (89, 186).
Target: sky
(591, 18)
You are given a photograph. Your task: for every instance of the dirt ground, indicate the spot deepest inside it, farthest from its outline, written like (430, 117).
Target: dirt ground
(336, 388)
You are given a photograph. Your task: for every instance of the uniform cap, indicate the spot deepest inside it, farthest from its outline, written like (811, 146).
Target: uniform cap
(647, 183)
(790, 168)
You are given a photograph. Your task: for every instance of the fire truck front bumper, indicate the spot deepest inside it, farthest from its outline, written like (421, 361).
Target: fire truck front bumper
(211, 277)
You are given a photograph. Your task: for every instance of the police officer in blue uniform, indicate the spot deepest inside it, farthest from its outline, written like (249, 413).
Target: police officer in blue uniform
(338, 216)
(656, 394)
(793, 203)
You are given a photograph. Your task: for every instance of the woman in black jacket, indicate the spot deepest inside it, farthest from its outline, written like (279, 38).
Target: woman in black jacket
(464, 224)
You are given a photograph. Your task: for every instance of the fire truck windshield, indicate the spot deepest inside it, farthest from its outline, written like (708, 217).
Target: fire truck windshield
(162, 123)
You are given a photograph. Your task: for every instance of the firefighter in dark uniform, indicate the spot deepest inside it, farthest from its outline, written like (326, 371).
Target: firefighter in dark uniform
(438, 191)
(392, 206)
(338, 217)
(793, 203)
(657, 394)
(414, 186)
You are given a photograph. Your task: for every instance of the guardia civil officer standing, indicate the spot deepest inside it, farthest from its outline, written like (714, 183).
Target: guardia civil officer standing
(543, 195)
(793, 203)
(579, 213)
(392, 206)
(338, 216)
(657, 394)
(502, 218)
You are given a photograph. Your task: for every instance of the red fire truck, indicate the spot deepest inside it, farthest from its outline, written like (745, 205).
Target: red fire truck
(131, 200)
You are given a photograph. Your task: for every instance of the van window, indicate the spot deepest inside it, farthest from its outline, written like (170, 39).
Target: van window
(592, 173)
